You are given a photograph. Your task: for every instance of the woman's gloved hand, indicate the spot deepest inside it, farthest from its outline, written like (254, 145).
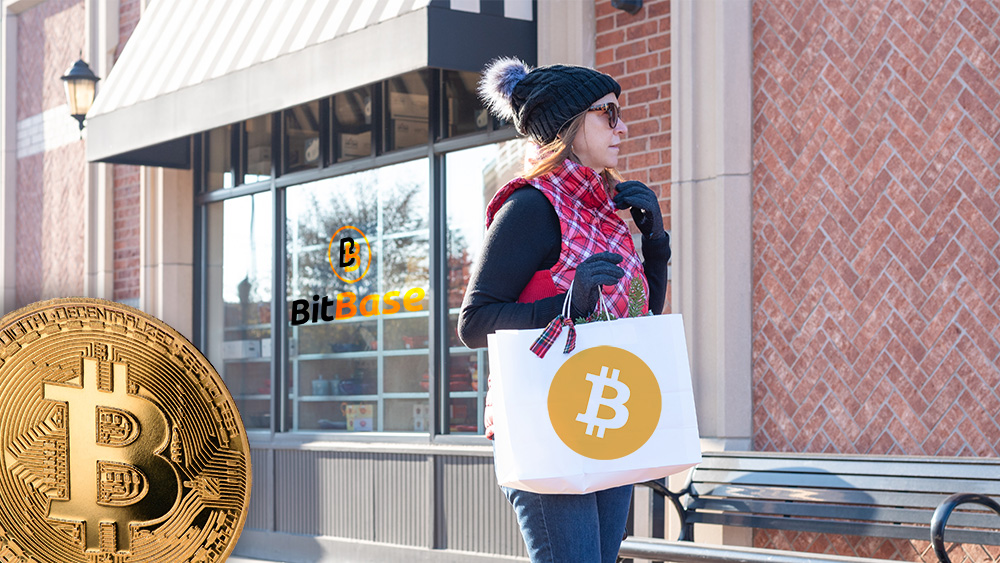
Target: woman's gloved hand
(643, 205)
(597, 270)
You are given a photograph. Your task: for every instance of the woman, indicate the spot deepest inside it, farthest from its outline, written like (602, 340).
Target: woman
(563, 229)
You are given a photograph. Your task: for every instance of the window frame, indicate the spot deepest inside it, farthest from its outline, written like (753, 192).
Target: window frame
(435, 149)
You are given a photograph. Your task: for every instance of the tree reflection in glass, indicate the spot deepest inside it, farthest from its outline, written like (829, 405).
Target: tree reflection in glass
(390, 206)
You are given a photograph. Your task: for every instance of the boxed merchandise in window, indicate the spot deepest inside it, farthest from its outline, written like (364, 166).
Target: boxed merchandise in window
(409, 132)
(240, 349)
(356, 144)
(402, 104)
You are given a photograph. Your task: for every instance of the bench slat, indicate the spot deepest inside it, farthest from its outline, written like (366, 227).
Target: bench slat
(904, 532)
(891, 466)
(817, 526)
(833, 511)
(838, 481)
(846, 496)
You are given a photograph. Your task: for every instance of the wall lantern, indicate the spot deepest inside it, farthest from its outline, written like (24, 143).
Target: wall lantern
(630, 6)
(80, 84)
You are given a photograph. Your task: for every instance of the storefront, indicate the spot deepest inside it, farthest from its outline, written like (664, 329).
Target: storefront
(363, 407)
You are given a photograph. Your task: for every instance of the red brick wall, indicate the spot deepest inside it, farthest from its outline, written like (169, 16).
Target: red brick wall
(635, 50)
(127, 235)
(128, 18)
(127, 220)
(876, 233)
(50, 186)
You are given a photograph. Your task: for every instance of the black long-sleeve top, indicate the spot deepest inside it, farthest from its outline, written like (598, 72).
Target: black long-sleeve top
(525, 237)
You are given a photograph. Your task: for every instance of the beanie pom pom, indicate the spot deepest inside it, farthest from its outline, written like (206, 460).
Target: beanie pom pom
(497, 85)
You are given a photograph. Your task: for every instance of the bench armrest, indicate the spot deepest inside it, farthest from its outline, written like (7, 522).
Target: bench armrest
(687, 531)
(943, 512)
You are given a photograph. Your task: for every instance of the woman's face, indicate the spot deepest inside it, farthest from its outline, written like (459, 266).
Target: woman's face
(596, 144)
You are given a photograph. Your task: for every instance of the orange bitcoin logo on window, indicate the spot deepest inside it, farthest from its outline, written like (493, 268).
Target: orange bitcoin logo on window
(349, 254)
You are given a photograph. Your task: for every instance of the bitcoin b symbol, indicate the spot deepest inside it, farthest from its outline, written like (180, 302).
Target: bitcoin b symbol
(579, 402)
(591, 418)
(117, 478)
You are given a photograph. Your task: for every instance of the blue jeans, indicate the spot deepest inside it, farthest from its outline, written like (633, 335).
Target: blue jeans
(584, 528)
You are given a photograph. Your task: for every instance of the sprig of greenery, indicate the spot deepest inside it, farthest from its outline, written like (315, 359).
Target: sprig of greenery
(636, 302)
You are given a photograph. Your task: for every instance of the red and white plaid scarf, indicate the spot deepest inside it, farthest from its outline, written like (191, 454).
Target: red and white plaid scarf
(589, 225)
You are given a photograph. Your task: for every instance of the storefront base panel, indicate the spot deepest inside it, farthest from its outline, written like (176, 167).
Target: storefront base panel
(350, 501)
(288, 548)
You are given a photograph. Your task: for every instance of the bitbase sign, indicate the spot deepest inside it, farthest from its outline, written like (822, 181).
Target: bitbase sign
(350, 262)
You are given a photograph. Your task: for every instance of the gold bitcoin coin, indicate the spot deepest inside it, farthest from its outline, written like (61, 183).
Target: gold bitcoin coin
(604, 402)
(119, 442)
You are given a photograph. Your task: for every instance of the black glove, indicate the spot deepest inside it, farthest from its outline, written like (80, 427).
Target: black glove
(597, 270)
(643, 205)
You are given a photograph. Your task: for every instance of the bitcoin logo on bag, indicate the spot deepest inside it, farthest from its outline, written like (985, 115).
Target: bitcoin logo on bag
(604, 402)
(119, 442)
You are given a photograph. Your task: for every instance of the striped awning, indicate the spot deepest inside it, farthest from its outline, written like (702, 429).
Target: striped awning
(192, 65)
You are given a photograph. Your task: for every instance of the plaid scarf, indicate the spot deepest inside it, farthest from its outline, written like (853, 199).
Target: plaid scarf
(589, 225)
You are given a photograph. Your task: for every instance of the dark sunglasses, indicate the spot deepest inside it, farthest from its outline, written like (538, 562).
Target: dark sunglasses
(613, 111)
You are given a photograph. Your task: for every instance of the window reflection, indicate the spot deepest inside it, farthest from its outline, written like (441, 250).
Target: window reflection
(239, 302)
(464, 112)
(352, 124)
(472, 177)
(301, 130)
(257, 147)
(361, 371)
(219, 158)
(409, 104)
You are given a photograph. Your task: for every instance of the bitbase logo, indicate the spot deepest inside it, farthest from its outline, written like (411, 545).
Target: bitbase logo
(350, 256)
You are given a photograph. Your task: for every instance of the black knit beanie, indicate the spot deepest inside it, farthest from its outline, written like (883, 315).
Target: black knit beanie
(541, 101)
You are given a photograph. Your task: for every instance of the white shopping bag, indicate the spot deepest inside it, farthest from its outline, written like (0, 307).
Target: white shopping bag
(618, 409)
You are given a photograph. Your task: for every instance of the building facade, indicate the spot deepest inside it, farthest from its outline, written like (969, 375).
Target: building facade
(828, 173)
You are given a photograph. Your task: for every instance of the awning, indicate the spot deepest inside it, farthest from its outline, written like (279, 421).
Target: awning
(193, 65)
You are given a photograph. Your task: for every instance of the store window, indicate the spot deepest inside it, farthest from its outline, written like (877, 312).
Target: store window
(219, 158)
(356, 342)
(352, 124)
(408, 99)
(257, 149)
(364, 365)
(464, 113)
(301, 131)
(238, 302)
(472, 177)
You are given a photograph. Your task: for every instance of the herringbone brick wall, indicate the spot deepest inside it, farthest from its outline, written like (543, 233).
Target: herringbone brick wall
(876, 234)
(635, 50)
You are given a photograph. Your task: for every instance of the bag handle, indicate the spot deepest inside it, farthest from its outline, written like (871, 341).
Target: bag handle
(602, 303)
(548, 337)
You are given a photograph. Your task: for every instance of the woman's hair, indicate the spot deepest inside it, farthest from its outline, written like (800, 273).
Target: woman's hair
(551, 155)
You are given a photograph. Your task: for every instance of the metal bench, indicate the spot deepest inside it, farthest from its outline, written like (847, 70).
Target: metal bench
(857, 495)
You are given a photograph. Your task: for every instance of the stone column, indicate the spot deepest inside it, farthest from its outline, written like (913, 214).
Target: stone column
(167, 256)
(711, 92)
(102, 16)
(567, 33)
(711, 195)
